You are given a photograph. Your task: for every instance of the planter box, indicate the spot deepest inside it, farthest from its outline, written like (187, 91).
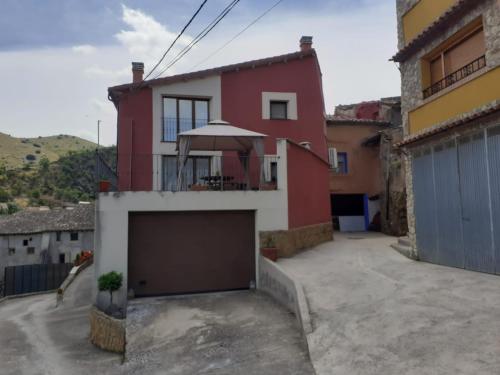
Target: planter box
(270, 253)
(104, 186)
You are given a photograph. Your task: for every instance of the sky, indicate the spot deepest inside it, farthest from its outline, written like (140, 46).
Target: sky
(58, 57)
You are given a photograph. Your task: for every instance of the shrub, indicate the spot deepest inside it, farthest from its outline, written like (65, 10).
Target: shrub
(110, 282)
(30, 157)
(4, 196)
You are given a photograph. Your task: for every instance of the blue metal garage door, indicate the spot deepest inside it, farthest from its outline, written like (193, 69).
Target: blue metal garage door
(457, 202)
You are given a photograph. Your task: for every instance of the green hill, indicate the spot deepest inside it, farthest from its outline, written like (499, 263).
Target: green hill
(16, 152)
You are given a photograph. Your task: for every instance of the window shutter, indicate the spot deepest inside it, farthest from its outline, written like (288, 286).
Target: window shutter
(332, 157)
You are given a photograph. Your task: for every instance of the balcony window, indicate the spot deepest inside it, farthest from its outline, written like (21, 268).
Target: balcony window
(182, 114)
(196, 169)
(455, 62)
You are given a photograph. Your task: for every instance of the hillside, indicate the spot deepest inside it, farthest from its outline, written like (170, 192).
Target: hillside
(16, 152)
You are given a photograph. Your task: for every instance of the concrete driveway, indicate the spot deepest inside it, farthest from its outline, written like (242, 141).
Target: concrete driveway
(225, 333)
(377, 312)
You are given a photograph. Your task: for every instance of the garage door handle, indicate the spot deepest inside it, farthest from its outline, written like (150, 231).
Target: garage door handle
(142, 282)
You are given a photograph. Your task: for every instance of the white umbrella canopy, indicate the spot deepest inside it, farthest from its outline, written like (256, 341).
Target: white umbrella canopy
(218, 135)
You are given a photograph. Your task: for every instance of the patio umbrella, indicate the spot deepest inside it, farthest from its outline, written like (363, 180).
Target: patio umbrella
(220, 135)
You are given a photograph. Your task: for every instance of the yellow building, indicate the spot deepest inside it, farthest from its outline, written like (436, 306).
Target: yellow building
(449, 57)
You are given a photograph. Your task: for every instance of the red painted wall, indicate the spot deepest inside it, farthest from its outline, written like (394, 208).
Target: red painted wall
(242, 102)
(135, 138)
(308, 190)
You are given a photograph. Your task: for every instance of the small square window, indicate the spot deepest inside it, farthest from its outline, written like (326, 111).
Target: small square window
(278, 110)
(31, 250)
(74, 236)
(12, 250)
(58, 236)
(25, 242)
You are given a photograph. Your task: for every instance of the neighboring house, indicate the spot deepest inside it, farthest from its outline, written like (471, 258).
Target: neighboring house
(45, 236)
(449, 56)
(366, 183)
(193, 221)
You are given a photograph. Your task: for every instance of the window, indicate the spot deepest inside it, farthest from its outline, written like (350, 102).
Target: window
(342, 163)
(454, 62)
(58, 236)
(196, 168)
(12, 250)
(278, 110)
(25, 242)
(181, 114)
(31, 250)
(73, 236)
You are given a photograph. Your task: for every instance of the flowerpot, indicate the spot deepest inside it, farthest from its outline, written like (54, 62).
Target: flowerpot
(104, 186)
(270, 253)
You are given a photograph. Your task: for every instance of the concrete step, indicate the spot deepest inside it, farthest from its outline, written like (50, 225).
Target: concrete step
(404, 250)
(404, 241)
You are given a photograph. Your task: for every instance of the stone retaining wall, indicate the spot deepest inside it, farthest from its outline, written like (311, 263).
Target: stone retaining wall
(106, 332)
(290, 242)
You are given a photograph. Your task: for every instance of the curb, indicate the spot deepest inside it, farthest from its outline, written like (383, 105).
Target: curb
(14, 296)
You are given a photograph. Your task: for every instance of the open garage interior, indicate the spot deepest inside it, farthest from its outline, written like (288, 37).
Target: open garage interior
(190, 252)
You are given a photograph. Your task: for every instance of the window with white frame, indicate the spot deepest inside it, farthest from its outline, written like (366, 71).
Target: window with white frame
(279, 106)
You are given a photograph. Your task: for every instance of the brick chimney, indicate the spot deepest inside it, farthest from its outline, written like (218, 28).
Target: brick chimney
(137, 72)
(306, 43)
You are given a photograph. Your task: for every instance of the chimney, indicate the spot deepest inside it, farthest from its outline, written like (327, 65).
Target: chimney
(137, 72)
(306, 43)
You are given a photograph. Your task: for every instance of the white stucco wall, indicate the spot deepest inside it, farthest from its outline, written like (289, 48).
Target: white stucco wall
(111, 237)
(205, 88)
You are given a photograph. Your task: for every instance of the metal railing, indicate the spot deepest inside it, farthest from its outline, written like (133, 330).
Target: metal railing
(456, 76)
(227, 172)
(171, 126)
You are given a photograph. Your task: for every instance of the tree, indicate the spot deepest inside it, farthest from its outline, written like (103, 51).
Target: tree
(110, 282)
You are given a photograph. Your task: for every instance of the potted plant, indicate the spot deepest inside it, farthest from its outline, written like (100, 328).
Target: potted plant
(110, 282)
(104, 186)
(269, 249)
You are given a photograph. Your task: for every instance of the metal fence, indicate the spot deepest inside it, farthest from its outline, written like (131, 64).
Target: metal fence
(33, 278)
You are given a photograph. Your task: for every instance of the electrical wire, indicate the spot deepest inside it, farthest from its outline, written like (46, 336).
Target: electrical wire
(200, 36)
(238, 34)
(176, 39)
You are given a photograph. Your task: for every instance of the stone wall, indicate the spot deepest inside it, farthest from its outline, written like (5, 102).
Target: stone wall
(290, 242)
(106, 332)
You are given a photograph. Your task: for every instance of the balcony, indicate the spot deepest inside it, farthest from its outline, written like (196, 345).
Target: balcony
(455, 77)
(201, 172)
(172, 126)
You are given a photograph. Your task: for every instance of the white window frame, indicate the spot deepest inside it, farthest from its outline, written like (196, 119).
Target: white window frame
(289, 97)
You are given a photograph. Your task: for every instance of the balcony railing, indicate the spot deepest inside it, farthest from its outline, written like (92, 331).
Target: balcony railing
(172, 126)
(456, 76)
(200, 173)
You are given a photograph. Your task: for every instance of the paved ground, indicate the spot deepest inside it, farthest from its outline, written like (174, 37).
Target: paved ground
(224, 333)
(377, 312)
(231, 333)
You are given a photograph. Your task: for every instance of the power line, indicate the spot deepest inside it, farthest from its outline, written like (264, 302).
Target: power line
(177, 38)
(200, 36)
(238, 34)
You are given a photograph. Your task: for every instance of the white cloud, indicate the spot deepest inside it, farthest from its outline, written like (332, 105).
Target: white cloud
(148, 38)
(84, 49)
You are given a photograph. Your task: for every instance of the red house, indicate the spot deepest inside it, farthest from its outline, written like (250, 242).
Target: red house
(213, 165)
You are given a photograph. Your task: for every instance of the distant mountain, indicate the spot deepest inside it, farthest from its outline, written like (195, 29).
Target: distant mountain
(16, 152)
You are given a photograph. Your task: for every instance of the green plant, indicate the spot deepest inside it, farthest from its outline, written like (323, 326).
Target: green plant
(110, 282)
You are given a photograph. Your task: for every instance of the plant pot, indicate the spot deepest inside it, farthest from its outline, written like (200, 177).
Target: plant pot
(270, 253)
(104, 186)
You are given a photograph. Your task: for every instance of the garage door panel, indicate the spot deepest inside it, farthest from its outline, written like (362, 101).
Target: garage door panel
(185, 252)
(494, 171)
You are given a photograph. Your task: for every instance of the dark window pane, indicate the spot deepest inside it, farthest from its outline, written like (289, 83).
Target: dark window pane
(169, 119)
(278, 110)
(74, 236)
(342, 162)
(201, 113)
(169, 173)
(202, 169)
(185, 115)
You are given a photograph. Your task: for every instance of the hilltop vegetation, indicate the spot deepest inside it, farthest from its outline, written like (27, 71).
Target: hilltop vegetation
(17, 152)
(69, 179)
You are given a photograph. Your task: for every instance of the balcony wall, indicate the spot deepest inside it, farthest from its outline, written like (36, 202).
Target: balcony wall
(460, 99)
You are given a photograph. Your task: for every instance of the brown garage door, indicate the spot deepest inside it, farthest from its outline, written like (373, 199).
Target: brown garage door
(188, 252)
